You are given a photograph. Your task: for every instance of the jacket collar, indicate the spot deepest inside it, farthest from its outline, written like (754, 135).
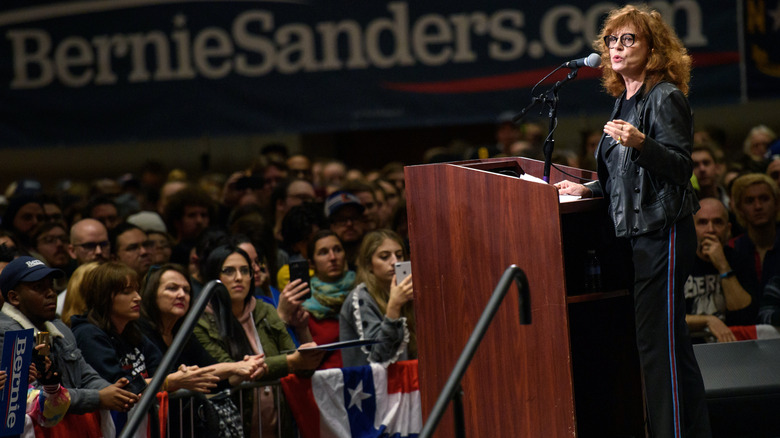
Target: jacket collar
(19, 317)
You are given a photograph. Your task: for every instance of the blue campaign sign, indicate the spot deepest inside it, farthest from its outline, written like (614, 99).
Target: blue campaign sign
(17, 356)
(116, 70)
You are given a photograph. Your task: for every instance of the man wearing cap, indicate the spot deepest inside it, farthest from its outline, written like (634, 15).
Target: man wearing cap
(345, 215)
(30, 303)
(367, 197)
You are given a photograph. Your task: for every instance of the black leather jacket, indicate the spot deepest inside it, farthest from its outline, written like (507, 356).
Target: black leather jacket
(651, 190)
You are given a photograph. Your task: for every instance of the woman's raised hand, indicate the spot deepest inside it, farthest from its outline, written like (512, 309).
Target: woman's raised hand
(625, 133)
(400, 294)
(290, 300)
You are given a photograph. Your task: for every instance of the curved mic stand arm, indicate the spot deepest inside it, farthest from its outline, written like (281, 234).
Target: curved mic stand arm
(452, 387)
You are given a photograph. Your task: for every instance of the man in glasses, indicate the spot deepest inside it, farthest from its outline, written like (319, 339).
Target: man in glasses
(132, 247)
(89, 241)
(51, 244)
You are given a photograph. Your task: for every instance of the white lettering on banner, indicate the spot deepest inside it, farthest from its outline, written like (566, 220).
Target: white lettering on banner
(255, 46)
(16, 382)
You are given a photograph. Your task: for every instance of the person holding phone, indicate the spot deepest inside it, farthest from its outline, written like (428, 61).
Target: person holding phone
(236, 324)
(330, 285)
(111, 342)
(379, 308)
(47, 405)
(30, 302)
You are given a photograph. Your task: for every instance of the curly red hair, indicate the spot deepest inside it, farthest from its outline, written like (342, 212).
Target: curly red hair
(668, 61)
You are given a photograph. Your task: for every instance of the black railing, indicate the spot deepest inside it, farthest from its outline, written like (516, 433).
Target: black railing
(452, 388)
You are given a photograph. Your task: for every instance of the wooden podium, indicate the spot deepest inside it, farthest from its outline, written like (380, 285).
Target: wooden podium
(574, 371)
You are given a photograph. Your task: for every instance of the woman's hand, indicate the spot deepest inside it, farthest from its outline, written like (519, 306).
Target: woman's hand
(114, 398)
(567, 187)
(290, 300)
(256, 366)
(400, 294)
(625, 134)
(192, 378)
(251, 367)
(305, 360)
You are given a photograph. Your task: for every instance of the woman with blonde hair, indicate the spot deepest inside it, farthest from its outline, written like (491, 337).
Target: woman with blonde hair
(74, 298)
(379, 308)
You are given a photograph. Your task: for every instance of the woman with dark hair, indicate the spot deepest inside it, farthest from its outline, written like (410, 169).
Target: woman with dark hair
(112, 344)
(644, 170)
(165, 301)
(330, 285)
(379, 308)
(236, 324)
(235, 320)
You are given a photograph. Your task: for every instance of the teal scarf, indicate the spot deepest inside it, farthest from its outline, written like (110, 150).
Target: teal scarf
(326, 298)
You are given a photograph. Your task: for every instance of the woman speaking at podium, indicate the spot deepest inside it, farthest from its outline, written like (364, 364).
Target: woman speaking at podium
(644, 170)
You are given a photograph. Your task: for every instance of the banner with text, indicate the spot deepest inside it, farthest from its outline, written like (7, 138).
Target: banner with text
(117, 70)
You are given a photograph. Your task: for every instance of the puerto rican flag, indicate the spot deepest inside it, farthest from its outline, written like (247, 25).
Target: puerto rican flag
(367, 401)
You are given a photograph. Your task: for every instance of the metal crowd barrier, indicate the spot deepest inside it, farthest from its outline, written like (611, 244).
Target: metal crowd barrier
(182, 402)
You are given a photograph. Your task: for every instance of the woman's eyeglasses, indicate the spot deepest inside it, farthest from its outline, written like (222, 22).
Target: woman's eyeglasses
(230, 271)
(627, 40)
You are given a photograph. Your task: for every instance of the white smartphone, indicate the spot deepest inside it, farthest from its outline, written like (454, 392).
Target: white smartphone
(402, 270)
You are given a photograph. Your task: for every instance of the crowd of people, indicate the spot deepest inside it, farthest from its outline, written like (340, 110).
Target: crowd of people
(306, 254)
(111, 274)
(121, 263)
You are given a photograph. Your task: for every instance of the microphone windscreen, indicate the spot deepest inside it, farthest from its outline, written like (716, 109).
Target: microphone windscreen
(593, 60)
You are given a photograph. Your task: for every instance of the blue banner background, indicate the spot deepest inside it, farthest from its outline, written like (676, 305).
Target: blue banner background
(82, 72)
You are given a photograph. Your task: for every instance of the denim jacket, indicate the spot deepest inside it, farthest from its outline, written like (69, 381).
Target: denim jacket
(651, 189)
(80, 379)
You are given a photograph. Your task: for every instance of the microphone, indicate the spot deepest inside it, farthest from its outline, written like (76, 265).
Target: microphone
(592, 60)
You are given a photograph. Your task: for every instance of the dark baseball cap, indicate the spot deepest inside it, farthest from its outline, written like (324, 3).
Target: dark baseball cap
(25, 269)
(339, 200)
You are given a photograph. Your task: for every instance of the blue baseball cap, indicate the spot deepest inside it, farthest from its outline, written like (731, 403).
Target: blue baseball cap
(336, 201)
(25, 269)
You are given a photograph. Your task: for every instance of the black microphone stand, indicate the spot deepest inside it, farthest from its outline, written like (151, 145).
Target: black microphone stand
(452, 389)
(549, 99)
